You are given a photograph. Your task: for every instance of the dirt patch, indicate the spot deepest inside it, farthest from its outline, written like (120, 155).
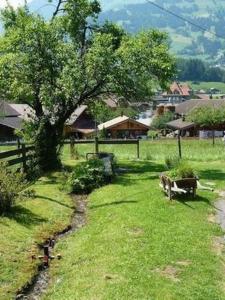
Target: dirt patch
(218, 245)
(212, 218)
(39, 283)
(136, 231)
(183, 263)
(169, 272)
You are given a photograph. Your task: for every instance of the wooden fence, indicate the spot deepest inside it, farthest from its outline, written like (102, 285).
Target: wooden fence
(22, 156)
(99, 142)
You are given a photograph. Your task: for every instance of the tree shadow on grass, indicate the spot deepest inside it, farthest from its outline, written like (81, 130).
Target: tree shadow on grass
(53, 200)
(187, 200)
(212, 174)
(121, 202)
(141, 168)
(137, 167)
(24, 216)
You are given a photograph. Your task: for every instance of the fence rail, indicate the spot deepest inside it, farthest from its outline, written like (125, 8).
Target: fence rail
(98, 142)
(22, 154)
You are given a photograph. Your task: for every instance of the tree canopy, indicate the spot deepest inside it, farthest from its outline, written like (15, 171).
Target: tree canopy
(56, 65)
(208, 117)
(159, 122)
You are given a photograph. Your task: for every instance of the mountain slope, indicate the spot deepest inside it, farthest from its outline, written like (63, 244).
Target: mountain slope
(186, 40)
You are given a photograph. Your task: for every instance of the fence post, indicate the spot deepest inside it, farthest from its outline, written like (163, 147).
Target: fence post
(72, 150)
(96, 145)
(138, 149)
(24, 158)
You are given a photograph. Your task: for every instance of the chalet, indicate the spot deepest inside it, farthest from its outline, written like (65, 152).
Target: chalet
(183, 90)
(123, 127)
(189, 128)
(80, 124)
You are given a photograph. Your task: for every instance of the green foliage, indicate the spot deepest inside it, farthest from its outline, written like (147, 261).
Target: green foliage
(152, 134)
(209, 117)
(172, 162)
(11, 183)
(87, 176)
(181, 170)
(159, 122)
(57, 66)
(198, 70)
(102, 113)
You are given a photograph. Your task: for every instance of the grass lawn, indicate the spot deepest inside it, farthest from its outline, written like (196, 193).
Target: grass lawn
(194, 150)
(30, 222)
(138, 245)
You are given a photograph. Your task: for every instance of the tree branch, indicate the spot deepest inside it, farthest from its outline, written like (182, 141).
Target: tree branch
(57, 9)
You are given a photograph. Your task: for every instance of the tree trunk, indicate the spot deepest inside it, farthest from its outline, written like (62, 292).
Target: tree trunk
(48, 142)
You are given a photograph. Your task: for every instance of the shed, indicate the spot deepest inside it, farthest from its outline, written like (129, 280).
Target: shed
(124, 127)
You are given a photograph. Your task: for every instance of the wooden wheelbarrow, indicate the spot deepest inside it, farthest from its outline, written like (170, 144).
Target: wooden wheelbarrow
(181, 186)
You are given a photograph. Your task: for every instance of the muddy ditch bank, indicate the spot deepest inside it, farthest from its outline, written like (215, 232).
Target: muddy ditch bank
(40, 281)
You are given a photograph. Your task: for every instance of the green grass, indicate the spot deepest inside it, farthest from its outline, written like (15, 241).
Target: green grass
(29, 223)
(208, 85)
(194, 150)
(138, 245)
(133, 234)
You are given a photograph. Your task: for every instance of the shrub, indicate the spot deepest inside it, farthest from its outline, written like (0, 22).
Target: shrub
(87, 176)
(172, 162)
(183, 170)
(152, 134)
(11, 183)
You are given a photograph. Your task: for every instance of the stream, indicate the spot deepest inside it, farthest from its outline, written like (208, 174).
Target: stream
(39, 283)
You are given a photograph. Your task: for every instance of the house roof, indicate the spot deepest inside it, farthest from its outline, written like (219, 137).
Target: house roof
(117, 121)
(182, 89)
(76, 114)
(179, 124)
(187, 106)
(7, 110)
(24, 110)
(203, 96)
(12, 122)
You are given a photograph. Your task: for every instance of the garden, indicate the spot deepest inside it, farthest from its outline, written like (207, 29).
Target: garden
(134, 243)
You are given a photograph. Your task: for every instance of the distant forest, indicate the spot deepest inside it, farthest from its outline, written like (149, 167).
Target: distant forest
(198, 70)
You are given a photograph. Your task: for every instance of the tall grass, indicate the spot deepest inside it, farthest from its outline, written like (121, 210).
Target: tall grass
(195, 150)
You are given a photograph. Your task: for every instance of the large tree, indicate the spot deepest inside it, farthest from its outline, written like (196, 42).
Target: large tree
(56, 65)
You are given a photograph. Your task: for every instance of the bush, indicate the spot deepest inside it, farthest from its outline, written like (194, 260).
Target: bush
(152, 134)
(87, 176)
(11, 183)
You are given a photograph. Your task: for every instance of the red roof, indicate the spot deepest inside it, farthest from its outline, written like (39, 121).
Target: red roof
(181, 89)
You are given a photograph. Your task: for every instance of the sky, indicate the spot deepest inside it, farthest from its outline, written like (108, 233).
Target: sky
(15, 3)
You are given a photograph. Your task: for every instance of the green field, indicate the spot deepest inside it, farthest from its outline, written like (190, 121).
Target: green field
(136, 244)
(194, 150)
(208, 85)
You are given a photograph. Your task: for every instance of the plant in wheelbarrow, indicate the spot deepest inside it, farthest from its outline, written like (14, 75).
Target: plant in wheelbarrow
(181, 180)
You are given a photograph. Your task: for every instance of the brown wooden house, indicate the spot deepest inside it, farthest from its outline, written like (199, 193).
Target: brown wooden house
(81, 124)
(123, 127)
